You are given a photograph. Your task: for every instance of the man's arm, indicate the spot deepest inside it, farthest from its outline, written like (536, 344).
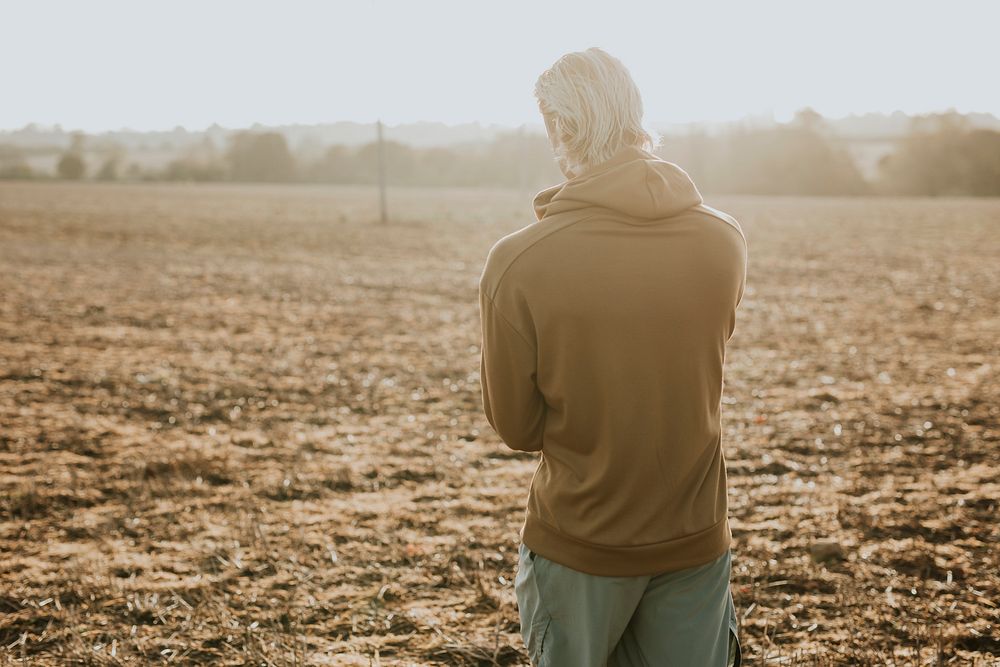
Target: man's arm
(514, 406)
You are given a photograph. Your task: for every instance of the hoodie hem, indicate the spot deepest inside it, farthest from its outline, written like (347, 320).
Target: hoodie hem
(627, 561)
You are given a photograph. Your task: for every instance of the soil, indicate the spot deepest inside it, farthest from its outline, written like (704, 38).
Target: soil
(243, 425)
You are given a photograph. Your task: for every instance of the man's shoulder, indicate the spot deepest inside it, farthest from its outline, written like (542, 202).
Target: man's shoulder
(509, 249)
(506, 251)
(717, 216)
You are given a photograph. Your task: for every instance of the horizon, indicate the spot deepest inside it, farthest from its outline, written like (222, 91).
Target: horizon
(204, 65)
(536, 126)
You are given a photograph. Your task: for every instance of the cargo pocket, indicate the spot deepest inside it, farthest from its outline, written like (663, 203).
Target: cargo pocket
(735, 650)
(535, 618)
(534, 639)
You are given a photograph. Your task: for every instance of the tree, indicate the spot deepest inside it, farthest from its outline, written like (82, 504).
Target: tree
(17, 171)
(77, 142)
(944, 155)
(71, 166)
(108, 170)
(809, 119)
(260, 156)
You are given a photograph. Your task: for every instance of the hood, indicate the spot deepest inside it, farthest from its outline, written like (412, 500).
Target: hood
(633, 182)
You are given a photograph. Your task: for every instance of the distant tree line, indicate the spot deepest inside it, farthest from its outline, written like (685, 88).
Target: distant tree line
(798, 158)
(942, 155)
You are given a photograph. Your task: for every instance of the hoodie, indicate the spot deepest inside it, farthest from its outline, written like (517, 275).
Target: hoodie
(604, 332)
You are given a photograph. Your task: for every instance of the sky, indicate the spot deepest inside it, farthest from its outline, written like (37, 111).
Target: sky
(149, 65)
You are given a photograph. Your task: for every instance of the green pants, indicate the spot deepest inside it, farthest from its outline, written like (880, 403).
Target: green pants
(573, 619)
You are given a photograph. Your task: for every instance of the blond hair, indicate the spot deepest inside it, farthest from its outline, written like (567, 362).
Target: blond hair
(596, 108)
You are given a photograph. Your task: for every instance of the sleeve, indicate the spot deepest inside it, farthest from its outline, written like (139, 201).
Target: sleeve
(743, 281)
(514, 405)
(741, 277)
(742, 260)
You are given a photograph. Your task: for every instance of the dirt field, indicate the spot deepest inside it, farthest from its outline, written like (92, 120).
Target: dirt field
(243, 426)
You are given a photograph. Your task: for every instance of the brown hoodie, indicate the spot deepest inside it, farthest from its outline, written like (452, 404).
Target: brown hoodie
(604, 328)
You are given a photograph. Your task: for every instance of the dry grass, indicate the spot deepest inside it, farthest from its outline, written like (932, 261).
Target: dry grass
(242, 426)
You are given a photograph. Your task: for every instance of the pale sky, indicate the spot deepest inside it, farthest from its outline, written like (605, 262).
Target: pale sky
(97, 65)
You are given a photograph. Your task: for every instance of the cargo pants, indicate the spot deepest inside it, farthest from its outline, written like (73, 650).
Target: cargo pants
(573, 619)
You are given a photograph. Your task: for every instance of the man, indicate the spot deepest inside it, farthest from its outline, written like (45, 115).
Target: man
(604, 328)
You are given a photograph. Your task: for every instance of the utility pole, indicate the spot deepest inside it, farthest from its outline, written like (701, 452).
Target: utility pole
(522, 162)
(381, 174)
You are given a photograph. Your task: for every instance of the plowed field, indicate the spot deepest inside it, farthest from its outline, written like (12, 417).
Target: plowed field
(242, 425)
